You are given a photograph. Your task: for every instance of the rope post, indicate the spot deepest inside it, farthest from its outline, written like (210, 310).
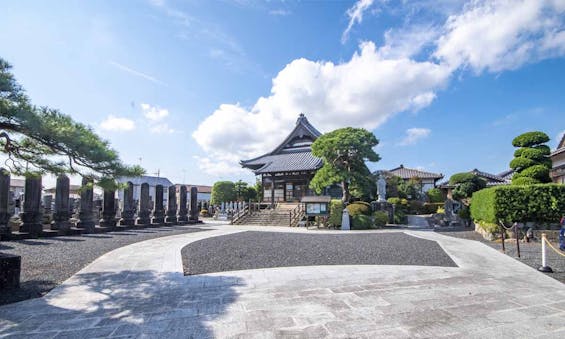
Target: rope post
(502, 231)
(544, 268)
(517, 232)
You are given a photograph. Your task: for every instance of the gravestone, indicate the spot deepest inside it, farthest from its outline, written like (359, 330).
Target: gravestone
(158, 210)
(183, 209)
(85, 215)
(172, 206)
(144, 215)
(5, 214)
(31, 216)
(109, 210)
(194, 204)
(10, 267)
(62, 210)
(128, 211)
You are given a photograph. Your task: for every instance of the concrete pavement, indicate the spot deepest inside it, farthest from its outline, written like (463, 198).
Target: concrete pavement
(140, 291)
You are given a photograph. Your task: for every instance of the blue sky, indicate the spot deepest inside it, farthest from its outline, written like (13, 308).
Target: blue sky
(187, 88)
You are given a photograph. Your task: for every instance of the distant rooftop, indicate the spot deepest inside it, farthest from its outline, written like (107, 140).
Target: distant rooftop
(408, 173)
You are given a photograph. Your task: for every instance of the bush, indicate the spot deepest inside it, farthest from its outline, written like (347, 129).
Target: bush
(336, 211)
(399, 203)
(536, 203)
(431, 208)
(435, 195)
(358, 208)
(517, 180)
(537, 153)
(521, 162)
(204, 213)
(537, 172)
(361, 222)
(400, 217)
(380, 218)
(458, 178)
(532, 159)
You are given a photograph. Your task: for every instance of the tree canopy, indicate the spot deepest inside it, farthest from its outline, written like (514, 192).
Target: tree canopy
(244, 192)
(466, 183)
(223, 191)
(42, 139)
(344, 153)
(531, 161)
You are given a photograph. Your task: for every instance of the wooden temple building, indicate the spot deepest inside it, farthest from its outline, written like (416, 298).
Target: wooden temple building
(287, 170)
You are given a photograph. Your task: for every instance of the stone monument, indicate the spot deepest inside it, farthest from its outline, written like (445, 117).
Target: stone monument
(381, 188)
(128, 211)
(31, 216)
(144, 215)
(194, 204)
(5, 214)
(158, 210)
(183, 209)
(345, 222)
(85, 215)
(172, 205)
(62, 210)
(109, 210)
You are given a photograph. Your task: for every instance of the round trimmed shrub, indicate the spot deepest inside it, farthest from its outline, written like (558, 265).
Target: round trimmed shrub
(361, 222)
(359, 208)
(529, 139)
(380, 218)
(537, 153)
(537, 172)
(524, 181)
(521, 162)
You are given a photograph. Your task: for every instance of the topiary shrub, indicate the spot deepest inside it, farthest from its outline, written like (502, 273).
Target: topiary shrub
(336, 211)
(541, 203)
(532, 159)
(358, 208)
(380, 219)
(466, 183)
(361, 222)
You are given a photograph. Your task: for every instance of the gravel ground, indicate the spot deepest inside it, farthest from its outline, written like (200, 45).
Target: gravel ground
(530, 253)
(48, 262)
(251, 250)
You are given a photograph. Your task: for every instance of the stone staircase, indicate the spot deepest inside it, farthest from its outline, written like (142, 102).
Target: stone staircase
(269, 217)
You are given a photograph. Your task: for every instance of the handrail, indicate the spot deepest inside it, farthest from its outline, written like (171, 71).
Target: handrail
(295, 215)
(240, 214)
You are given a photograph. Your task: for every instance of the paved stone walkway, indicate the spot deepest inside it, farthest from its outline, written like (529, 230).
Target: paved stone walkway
(140, 291)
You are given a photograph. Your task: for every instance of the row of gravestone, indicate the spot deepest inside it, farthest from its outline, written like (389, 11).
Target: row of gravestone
(148, 215)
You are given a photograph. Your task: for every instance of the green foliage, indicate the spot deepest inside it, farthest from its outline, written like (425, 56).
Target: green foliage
(530, 139)
(441, 209)
(344, 152)
(531, 162)
(464, 213)
(466, 183)
(359, 207)
(42, 139)
(336, 211)
(435, 195)
(392, 184)
(361, 222)
(380, 219)
(400, 217)
(223, 191)
(244, 192)
(410, 189)
(537, 203)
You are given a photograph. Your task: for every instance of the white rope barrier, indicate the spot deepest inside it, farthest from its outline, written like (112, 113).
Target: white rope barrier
(544, 267)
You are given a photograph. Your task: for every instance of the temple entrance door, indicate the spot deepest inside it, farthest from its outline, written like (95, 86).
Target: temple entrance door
(299, 191)
(289, 191)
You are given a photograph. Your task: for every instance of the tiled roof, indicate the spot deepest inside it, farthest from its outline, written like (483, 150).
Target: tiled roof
(491, 179)
(289, 162)
(152, 181)
(506, 175)
(408, 173)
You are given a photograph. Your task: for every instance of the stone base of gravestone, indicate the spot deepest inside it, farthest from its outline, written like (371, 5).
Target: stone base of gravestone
(127, 219)
(109, 223)
(171, 220)
(87, 226)
(31, 224)
(182, 219)
(158, 220)
(10, 267)
(5, 230)
(384, 206)
(144, 218)
(62, 226)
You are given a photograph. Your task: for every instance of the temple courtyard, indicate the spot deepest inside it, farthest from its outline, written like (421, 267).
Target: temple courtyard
(280, 282)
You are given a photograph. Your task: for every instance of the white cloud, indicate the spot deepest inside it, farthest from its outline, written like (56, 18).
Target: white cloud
(219, 166)
(154, 113)
(413, 135)
(112, 123)
(502, 35)
(364, 92)
(355, 15)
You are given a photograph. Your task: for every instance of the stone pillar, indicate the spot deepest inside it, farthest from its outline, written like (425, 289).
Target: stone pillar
(183, 208)
(5, 214)
(172, 205)
(62, 205)
(31, 216)
(144, 215)
(109, 210)
(272, 191)
(158, 211)
(85, 215)
(194, 204)
(129, 209)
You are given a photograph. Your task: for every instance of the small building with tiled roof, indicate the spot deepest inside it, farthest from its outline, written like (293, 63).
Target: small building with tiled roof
(558, 162)
(287, 170)
(504, 178)
(428, 179)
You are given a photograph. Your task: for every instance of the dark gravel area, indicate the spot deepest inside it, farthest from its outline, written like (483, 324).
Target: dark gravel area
(251, 250)
(530, 253)
(48, 262)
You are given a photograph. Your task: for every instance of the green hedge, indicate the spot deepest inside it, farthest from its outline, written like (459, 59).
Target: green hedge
(537, 203)
(359, 207)
(336, 210)
(361, 222)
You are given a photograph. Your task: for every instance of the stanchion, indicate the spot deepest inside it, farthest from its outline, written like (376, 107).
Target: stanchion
(544, 268)
(517, 233)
